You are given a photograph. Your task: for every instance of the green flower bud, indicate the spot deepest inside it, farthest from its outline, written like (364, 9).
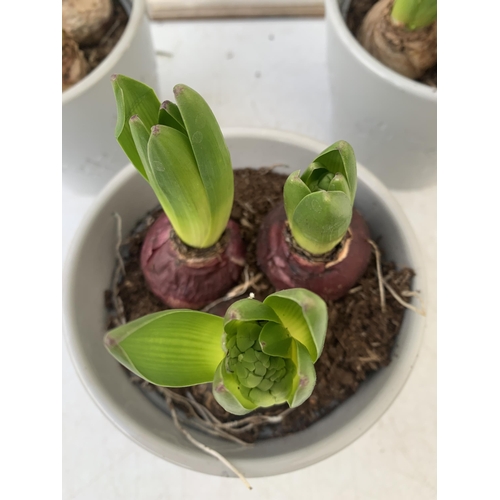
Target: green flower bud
(254, 369)
(319, 202)
(259, 354)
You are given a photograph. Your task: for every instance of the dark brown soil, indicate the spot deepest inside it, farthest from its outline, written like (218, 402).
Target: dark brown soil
(113, 30)
(355, 15)
(359, 338)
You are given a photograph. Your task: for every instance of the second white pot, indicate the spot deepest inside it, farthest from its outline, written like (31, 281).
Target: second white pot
(91, 155)
(389, 119)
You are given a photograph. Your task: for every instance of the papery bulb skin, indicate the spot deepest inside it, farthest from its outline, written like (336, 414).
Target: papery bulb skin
(286, 268)
(408, 52)
(194, 278)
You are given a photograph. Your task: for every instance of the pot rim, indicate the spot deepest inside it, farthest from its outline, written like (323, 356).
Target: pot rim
(144, 437)
(333, 14)
(103, 69)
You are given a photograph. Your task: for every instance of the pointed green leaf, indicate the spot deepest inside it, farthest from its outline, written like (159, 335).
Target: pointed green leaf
(169, 116)
(173, 109)
(249, 310)
(275, 340)
(339, 183)
(141, 136)
(310, 176)
(211, 153)
(174, 169)
(340, 158)
(304, 314)
(414, 14)
(321, 220)
(226, 391)
(317, 177)
(174, 348)
(133, 98)
(305, 378)
(293, 192)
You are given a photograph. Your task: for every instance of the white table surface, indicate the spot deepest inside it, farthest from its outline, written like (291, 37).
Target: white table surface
(261, 73)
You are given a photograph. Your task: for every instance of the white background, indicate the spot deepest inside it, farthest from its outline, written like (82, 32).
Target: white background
(273, 74)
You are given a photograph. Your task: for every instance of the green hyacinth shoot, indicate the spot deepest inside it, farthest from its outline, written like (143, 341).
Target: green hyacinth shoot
(414, 14)
(179, 149)
(260, 354)
(319, 203)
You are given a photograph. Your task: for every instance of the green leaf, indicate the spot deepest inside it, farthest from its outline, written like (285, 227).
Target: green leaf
(309, 176)
(275, 340)
(141, 136)
(133, 98)
(174, 170)
(305, 378)
(324, 182)
(414, 14)
(211, 153)
(340, 158)
(173, 110)
(169, 115)
(304, 314)
(316, 177)
(321, 220)
(174, 348)
(226, 391)
(339, 183)
(249, 310)
(293, 192)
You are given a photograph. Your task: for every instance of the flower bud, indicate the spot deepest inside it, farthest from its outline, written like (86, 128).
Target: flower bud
(263, 379)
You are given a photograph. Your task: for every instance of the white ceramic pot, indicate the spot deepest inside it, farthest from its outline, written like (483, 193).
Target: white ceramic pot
(389, 119)
(90, 154)
(88, 274)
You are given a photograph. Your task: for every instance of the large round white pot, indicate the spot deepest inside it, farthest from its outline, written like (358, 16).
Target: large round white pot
(91, 155)
(389, 119)
(88, 274)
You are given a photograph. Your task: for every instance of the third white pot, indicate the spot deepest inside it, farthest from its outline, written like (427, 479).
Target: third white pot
(389, 119)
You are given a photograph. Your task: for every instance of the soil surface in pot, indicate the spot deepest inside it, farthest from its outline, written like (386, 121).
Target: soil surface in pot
(360, 336)
(355, 15)
(96, 52)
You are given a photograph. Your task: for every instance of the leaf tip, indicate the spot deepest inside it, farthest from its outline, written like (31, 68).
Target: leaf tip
(303, 380)
(134, 118)
(179, 89)
(220, 387)
(114, 76)
(110, 341)
(233, 314)
(155, 130)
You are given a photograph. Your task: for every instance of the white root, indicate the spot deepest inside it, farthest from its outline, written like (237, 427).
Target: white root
(202, 446)
(379, 274)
